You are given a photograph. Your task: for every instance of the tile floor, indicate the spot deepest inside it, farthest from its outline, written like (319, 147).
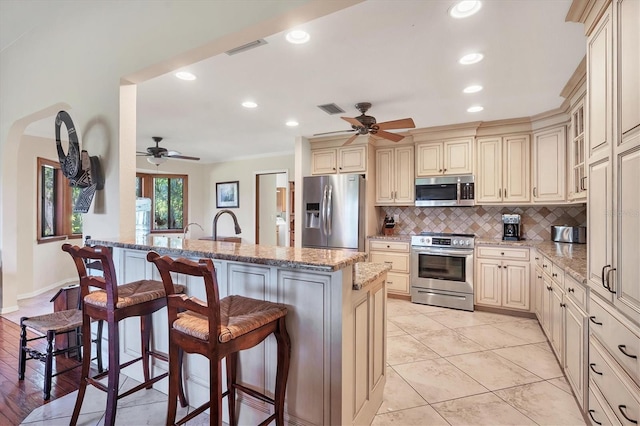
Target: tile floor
(445, 367)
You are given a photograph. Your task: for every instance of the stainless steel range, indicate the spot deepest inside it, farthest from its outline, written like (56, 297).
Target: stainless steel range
(442, 270)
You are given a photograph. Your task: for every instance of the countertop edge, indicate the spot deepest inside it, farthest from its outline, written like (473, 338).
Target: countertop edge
(366, 273)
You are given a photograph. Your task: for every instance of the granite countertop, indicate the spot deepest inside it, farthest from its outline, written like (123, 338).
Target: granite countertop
(571, 257)
(366, 273)
(285, 257)
(406, 238)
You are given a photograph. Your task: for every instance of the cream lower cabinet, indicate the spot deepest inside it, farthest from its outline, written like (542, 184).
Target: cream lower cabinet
(396, 254)
(553, 295)
(351, 159)
(502, 171)
(395, 180)
(502, 277)
(575, 339)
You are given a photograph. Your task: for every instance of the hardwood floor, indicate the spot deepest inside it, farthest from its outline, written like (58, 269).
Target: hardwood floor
(19, 397)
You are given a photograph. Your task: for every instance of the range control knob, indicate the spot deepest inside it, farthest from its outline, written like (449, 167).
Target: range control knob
(455, 242)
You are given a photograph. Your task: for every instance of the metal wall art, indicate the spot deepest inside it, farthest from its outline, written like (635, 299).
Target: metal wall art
(82, 170)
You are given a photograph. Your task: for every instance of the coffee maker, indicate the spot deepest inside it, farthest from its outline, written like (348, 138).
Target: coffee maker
(511, 227)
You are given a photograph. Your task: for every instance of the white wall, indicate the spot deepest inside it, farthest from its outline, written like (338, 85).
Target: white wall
(243, 171)
(85, 59)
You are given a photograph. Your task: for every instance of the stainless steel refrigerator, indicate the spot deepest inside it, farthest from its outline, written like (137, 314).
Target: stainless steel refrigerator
(333, 209)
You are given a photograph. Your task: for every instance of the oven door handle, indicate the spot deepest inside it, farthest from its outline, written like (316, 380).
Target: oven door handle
(445, 252)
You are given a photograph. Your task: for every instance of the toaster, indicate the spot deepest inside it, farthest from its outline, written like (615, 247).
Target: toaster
(569, 234)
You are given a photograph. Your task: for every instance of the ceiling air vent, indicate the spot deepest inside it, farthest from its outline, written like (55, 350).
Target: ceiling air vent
(331, 109)
(246, 47)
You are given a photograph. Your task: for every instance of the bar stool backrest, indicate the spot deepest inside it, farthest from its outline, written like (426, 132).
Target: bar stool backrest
(107, 282)
(179, 302)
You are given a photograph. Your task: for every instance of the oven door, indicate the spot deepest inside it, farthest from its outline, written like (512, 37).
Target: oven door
(442, 269)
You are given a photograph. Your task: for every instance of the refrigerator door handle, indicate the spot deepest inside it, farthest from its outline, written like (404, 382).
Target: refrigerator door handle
(323, 210)
(329, 210)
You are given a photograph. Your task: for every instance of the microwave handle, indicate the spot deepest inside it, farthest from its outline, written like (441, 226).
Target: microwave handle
(458, 193)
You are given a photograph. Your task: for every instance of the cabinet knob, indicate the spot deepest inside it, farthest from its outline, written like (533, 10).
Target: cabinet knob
(502, 253)
(388, 246)
(563, 305)
(440, 170)
(445, 170)
(549, 288)
(553, 274)
(570, 290)
(539, 276)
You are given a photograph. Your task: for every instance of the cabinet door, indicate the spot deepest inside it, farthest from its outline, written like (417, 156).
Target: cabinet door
(323, 161)
(546, 305)
(575, 350)
(429, 159)
(384, 176)
(488, 290)
(628, 49)
(405, 181)
(557, 321)
(576, 162)
(539, 292)
(515, 174)
(352, 160)
(515, 285)
(457, 157)
(627, 225)
(600, 235)
(549, 166)
(489, 168)
(599, 86)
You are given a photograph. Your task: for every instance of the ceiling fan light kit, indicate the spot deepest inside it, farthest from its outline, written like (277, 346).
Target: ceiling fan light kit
(158, 155)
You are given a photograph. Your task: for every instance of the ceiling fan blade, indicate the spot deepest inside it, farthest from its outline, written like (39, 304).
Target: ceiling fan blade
(405, 123)
(183, 157)
(391, 136)
(352, 121)
(337, 131)
(142, 154)
(351, 139)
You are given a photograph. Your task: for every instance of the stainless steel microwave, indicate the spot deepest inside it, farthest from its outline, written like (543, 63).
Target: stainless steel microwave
(445, 191)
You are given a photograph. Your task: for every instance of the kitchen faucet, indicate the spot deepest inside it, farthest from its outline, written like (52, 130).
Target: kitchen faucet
(215, 223)
(186, 228)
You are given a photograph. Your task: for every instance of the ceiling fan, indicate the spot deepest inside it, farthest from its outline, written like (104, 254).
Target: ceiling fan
(366, 124)
(158, 155)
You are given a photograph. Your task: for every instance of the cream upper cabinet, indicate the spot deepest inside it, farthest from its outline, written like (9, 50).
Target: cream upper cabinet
(452, 157)
(503, 169)
(549, 165)
(628, 48)
(395, 179)
(577, 191)
(339, 160)
(599, 86)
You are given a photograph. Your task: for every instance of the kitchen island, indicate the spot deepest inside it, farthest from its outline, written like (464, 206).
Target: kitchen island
(336, 321)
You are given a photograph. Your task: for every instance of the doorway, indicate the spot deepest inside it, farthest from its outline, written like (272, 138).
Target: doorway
(272, 209)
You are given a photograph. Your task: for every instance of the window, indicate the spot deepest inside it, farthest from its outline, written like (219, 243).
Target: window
(168, 195)
(56, 220)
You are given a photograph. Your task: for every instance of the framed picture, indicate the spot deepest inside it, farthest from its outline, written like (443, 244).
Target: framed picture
(227, 194)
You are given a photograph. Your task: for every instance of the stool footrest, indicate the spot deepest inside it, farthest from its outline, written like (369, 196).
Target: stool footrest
(262, 397)
(143, 385)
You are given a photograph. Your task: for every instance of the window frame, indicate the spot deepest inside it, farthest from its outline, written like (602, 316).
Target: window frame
(63, 205)
(147, 187)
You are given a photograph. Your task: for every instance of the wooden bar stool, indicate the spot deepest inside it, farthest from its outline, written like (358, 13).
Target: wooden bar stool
(219, 329)
(112, 303)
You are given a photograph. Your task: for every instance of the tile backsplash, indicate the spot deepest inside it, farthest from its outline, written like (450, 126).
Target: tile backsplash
(485, 221)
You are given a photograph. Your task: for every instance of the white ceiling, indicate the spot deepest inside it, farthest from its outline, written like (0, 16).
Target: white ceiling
(402, 56)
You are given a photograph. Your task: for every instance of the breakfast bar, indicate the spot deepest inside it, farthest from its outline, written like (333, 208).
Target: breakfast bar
(336, 321)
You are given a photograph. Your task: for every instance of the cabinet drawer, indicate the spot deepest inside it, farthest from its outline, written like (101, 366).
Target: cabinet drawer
(599, 411)
(503, 253)
(547, 265)
(538, 258)
(399, 262)
(616, 336)
(557, 274)
(620, 393)
(397, 283)
(389, 246)
(576, 292)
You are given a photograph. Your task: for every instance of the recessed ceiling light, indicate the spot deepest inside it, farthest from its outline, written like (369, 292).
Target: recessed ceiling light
(472, 89)
(292, 123)
(298, 37)
(184, 75)
(465, 8)
(477, 108)
(471, 58)
(249, 104)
